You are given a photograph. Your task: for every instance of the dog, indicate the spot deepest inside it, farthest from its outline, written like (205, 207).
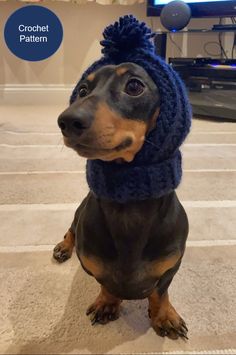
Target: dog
(132, 249)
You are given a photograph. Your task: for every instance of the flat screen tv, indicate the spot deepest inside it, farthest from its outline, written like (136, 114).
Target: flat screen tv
(199, 8)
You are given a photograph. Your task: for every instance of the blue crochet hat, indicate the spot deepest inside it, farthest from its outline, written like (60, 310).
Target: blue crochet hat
(156, 169)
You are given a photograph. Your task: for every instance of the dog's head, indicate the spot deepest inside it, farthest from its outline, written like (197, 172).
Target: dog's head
(116, 107)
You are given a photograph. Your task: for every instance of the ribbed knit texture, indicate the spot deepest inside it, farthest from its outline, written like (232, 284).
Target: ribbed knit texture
(156, 169)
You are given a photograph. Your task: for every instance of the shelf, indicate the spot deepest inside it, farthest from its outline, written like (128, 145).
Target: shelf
(202, 30)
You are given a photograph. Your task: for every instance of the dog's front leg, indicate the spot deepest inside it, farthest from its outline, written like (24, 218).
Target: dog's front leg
(164, 318)
(63, 250)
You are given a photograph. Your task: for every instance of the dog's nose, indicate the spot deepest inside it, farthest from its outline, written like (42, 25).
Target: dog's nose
(73, 123)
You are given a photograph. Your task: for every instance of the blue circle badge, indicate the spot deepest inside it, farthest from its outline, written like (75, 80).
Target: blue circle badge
(33, 33)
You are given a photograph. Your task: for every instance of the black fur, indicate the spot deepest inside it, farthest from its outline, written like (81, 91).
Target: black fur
(127, 237)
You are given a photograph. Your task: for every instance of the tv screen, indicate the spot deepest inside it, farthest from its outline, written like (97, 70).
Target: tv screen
(199, 8)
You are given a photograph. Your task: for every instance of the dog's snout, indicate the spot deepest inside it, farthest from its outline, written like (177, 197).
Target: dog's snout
(73, 123)
(61, 123)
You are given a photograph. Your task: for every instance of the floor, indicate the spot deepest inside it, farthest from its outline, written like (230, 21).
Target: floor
(43, 304)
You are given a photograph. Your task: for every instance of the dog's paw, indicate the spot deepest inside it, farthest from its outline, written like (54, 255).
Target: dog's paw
(102, 313)
(62, 251)
(169, 324)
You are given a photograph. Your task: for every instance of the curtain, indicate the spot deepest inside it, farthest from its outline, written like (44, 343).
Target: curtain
(102, 2)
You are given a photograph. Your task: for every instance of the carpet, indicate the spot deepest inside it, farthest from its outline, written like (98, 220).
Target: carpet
(43, 303)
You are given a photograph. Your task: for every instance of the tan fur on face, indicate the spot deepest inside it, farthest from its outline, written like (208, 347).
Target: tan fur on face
(121, 128)
(109, 130)
(91, 77)
(121, 71)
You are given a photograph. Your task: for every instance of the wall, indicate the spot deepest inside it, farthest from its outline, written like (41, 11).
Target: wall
(22, 81)
(83, 26)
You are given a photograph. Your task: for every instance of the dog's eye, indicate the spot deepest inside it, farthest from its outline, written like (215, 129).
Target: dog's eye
(83, 91)
(134, 87)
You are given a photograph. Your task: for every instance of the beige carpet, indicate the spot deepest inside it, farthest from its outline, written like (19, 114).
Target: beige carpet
(43, 304)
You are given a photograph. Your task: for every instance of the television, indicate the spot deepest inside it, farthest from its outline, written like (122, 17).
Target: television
(199, 8)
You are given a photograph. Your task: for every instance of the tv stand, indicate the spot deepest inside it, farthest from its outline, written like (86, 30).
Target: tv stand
(161, 37)
(211, 86)
(224, 28)
(211, 82)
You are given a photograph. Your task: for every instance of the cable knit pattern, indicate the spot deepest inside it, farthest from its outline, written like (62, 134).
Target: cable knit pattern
(156, 168)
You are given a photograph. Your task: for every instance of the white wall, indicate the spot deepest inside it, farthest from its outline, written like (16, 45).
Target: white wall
(83, 26)
(51, 80)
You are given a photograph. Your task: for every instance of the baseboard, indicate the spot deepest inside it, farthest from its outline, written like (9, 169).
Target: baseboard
(35, 94)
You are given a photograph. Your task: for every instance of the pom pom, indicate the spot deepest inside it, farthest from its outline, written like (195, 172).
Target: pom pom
(125, 36)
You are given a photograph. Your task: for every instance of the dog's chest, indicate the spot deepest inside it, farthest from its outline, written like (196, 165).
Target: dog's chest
(129, 232)
(112, 245)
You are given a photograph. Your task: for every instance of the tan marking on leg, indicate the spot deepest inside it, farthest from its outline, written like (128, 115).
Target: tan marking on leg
(157, 303)
(69, 238)
(159, 267)
(91, 77)
(105, 308)
(164, 318)
(91, 264)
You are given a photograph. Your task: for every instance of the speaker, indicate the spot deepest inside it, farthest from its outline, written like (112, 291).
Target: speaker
(175, 15)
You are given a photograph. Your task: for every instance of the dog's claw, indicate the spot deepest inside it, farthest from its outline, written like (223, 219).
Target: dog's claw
(88, 312)
(103, 313)
(181, 332)
(184, 325)
(162, 332)
(171, 327)
(93, 321)
(56, 249)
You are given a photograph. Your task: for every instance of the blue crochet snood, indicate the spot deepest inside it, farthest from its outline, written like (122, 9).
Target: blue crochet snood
(156, 169)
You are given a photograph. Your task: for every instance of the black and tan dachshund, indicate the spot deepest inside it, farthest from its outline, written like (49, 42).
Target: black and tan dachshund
(133, 249)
